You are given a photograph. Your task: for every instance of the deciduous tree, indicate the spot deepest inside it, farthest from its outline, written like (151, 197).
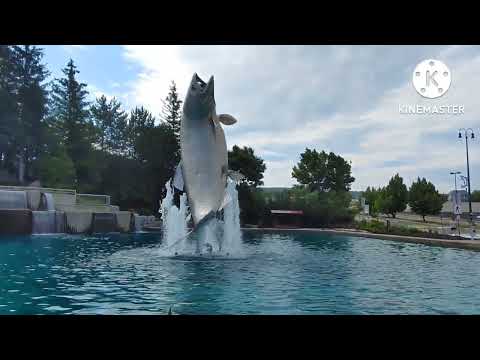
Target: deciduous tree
(319, 171)
(424, 199)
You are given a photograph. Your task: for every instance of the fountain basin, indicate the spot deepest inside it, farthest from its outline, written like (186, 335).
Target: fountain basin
(282, 272)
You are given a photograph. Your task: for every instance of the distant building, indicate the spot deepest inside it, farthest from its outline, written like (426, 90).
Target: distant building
(447, 208)
(462, 195)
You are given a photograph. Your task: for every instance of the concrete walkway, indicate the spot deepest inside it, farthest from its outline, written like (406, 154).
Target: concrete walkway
(459, 244)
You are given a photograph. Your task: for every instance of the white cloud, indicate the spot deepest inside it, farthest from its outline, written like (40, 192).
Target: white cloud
(279, 173)
(410, 138)
(328, 97)
(95, 93)
(160, 65)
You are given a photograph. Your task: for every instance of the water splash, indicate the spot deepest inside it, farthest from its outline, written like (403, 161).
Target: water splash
(232, 236)
(215, 238)
(174, 223)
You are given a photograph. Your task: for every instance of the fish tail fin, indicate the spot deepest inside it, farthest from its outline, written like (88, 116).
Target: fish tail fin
(205, 219)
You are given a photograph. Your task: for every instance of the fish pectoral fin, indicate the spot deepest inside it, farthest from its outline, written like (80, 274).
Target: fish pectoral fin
(226, 119)
(226, 200)
(178, 182)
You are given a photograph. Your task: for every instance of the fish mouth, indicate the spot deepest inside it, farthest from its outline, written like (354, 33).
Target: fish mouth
(201, 86)
(200, 99)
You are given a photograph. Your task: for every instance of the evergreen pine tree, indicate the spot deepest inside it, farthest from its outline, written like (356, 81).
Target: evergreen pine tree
(394, 197)
(111, 123)
(31, 97)
(101, 117)
(140, 121)
(171, 111)
(7, 69)
(8, 108)
(424, 199)
(70, 119)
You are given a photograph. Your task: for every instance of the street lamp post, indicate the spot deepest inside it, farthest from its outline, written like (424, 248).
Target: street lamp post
(466, 133)
(455, 173)
(456, 216)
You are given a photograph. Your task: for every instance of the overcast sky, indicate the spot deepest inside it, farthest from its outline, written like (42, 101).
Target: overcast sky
(335, 98)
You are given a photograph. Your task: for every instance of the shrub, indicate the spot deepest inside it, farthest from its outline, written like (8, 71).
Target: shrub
(320, 208)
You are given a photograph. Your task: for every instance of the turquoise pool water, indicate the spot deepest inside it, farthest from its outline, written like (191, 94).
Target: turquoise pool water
(282, 273)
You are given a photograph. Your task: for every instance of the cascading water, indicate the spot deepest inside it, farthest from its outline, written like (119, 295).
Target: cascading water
(214, 238)
(138, 222)
(44, 222)
(49, 203)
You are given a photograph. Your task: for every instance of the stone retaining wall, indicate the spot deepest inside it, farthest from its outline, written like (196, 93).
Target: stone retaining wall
(124, 221)
(78, 222)
(13, 199)
(104, 223)
(16, 221)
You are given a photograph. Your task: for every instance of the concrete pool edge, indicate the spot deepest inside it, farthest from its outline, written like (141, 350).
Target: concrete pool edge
(459, 244)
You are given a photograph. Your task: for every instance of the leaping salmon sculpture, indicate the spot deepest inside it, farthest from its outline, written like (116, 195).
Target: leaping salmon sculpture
(203, 169)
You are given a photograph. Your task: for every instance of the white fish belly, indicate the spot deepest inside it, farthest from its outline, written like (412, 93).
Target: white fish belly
(204, 155)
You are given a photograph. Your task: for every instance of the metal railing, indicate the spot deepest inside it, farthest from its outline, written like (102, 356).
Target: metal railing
(80, 199)
(41, 189)
(93, 199)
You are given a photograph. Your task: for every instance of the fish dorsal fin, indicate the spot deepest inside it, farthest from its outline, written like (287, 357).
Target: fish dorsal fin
(226, 119)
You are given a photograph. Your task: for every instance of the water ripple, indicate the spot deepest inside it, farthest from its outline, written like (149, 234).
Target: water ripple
(287, 273)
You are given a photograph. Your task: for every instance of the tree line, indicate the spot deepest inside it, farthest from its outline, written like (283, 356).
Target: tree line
(422, 196)
(51, 133)
(322, 193)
